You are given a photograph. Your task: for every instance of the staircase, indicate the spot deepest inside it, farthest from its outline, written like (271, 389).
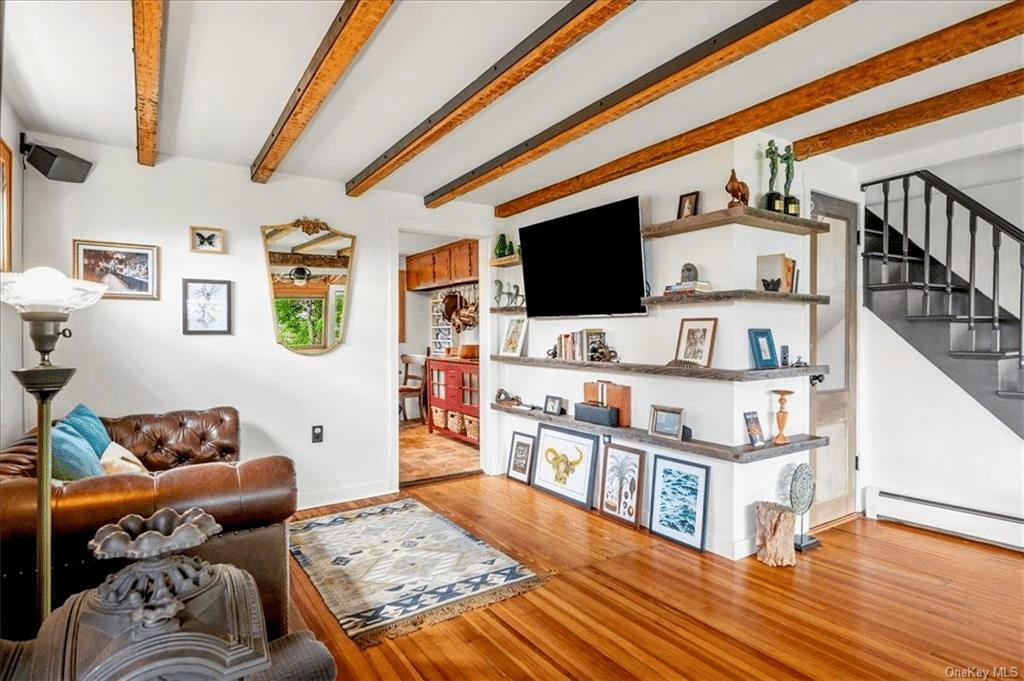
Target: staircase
(933, 272)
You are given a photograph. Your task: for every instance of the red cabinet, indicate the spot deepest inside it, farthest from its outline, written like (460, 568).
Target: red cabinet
(454, 398)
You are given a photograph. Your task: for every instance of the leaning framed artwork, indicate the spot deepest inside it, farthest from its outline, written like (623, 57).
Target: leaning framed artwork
(205, 306)
(128, 270)
(696, 341)
(520, 457)
(688, 205)
(564, 463)
(622, 476)
(679, 501)
(515, 332)
(666, 422)
(762, 347)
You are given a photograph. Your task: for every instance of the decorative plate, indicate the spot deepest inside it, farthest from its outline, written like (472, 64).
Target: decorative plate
(801, 489)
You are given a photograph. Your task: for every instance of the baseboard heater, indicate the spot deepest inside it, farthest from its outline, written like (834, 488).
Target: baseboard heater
(992, 527)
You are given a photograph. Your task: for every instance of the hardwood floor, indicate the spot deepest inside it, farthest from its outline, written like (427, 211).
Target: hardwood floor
(876, 601)
(425, 457)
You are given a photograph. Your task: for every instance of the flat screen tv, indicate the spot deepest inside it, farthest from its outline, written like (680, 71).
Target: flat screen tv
(585, 264)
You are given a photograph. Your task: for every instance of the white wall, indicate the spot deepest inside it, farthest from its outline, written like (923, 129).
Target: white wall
(132, 356)
(12, 413)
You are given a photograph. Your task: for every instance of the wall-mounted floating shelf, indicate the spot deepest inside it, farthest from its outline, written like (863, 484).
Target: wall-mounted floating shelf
(697, 298)
(738, 215)
(734, 454)
(739, 375)
(509, 309)
(507, 261)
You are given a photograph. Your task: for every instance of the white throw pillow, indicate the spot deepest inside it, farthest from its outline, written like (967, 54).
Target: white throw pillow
(117, 459)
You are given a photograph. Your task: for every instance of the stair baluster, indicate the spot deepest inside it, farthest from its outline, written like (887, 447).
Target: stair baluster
(996, 332)
(906, 229)
(949, 255)
(927, 246)
(972, 284)
(885, 232)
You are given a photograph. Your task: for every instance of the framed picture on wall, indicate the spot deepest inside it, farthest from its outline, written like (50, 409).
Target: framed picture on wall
(564, 463)
(696, 341)
(679, 501)
(205, 306)
(206, 239)
(520, 457)
(666, 422)
(128, 270)
(622, 478)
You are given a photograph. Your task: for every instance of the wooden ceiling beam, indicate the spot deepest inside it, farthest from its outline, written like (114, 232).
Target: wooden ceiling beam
(984, 93)
(351, 29)
(306, 260)
(574, 21)
(744, 38)
(148, 43)
(973, 34)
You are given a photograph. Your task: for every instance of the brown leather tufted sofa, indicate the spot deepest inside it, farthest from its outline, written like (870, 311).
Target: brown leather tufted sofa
(193, 456)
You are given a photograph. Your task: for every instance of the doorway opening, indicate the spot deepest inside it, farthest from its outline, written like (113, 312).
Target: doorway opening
(438, 342)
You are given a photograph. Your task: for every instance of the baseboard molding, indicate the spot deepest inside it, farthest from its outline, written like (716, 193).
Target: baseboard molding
(988, 526)
(370, 489)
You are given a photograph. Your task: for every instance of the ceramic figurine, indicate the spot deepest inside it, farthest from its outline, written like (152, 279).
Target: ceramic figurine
(738, 190)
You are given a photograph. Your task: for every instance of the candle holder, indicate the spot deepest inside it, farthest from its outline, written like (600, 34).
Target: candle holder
(781, 416)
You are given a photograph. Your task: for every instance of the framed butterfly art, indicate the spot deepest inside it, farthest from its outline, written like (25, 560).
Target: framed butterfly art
(206, 239)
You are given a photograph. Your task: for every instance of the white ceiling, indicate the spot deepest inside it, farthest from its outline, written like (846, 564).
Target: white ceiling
(230, 65)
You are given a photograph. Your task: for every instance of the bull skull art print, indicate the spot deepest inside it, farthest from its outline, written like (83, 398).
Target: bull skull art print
(566, 463)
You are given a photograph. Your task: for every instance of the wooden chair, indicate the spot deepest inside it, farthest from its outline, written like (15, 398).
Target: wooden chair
(406, 390)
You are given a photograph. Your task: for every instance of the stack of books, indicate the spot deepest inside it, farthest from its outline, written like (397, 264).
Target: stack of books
(688, 287)
(578, 345)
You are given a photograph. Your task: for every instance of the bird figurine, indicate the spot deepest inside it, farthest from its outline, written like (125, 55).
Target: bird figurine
(738, 190)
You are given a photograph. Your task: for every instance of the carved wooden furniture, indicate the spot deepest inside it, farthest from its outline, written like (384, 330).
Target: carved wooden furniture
(453, 394)
(406, 391)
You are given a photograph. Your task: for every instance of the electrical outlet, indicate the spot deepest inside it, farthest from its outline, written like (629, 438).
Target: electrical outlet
(318, 434)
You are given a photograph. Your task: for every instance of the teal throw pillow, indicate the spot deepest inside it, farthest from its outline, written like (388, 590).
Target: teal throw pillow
(83, 420)
(73, 457)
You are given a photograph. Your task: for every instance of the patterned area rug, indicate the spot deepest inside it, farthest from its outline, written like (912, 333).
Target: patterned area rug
(387, 570)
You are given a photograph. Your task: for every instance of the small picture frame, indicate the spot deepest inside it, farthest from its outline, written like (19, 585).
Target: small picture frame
(696, 341)
(520, 457)
(666, 422)
(128, 270)
(622, 478)
(206, 239)
(754, 432)
(688, 205)
(515, 332)
(762, 347)
(554, 405)
(205, 306)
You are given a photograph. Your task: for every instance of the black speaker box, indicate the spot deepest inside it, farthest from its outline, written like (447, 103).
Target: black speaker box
(597, 413)
(57, 164)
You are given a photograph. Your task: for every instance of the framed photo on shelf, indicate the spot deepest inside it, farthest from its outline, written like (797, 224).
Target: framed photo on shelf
(622, 477)
(679, 501)
(754, 432)
(762, 346)
(666, 422)
(128, 270)
(688, 204)
(206, 239)
(565, 463)
(554, 405)
(515, 333)
(696, 341)
(520, 457)
(205, 306)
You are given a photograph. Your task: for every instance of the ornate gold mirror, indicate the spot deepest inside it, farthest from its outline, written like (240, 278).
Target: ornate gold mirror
(310, 266)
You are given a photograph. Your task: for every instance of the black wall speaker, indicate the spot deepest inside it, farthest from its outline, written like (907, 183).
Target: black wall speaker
(55, 164)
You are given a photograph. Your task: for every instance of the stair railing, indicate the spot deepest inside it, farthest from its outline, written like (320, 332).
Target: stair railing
(975, 210)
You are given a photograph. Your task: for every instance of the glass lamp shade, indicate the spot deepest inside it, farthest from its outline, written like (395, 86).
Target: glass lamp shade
(43, 289)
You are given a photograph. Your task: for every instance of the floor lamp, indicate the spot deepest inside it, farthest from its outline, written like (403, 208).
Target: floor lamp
(45, 298)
